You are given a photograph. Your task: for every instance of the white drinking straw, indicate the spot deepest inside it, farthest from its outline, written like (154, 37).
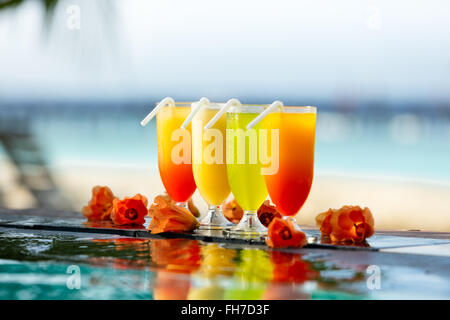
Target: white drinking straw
(159, 106)
(231, 102)
(195, 107)
(275, 104)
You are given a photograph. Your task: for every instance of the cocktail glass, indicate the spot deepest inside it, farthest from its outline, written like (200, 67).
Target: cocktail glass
(290, 185)
(209, 166)
(174, 152)
(244, 168)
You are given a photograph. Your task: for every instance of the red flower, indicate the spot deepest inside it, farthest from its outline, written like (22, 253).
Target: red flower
(282, 234)
(347, 224)
(267, 212)
(100, 205)
(129, 211)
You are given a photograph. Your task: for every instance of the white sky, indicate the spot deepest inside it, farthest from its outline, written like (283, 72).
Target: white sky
(268, 49)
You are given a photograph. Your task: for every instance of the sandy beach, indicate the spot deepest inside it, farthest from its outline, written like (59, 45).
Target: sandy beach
(395, 203)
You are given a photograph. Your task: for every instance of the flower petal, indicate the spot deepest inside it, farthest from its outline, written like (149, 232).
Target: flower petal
(283, 234)
(168, 217)
(100, 206)
(267, 212)
(129, 211)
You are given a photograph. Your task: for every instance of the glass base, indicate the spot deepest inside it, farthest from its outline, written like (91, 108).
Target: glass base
(293, 221)
(215, 220)
(183, 205)
(248, 227)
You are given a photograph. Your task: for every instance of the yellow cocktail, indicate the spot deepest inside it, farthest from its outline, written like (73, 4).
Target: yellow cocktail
(209, 167)
(244, 167)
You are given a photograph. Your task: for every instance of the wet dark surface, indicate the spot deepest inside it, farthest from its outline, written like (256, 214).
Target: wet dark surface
(39, 265)
(38, 256)
(377, 241)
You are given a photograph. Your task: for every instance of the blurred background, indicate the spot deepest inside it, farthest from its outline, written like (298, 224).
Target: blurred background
(76, 78)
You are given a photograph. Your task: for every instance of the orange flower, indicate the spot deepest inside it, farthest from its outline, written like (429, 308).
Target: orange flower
(192, 208)
(100, 205)
(232, 211)
(267, 212)
(160, 200)
(347, 224)
(282, 234)
(129, 210)
(168, 217)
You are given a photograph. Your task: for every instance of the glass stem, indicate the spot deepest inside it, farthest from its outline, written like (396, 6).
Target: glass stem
(293, 221)
(182, 204)
(249, 225)
(251, 215)
(213, 208)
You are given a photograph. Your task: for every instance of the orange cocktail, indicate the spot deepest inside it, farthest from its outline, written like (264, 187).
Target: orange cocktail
(174, 152)
(290, 185)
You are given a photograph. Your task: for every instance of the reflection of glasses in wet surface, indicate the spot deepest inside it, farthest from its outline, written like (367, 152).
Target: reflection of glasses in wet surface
(188, 269)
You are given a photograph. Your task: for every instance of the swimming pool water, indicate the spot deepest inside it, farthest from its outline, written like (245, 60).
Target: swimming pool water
(47, 265)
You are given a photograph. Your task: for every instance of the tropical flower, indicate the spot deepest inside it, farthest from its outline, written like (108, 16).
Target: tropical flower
(347, 224)
(267, 212)
(191, 206)
(168, 217)
(100, 205)
(283, 234)
(232, 211)
(129, 211)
